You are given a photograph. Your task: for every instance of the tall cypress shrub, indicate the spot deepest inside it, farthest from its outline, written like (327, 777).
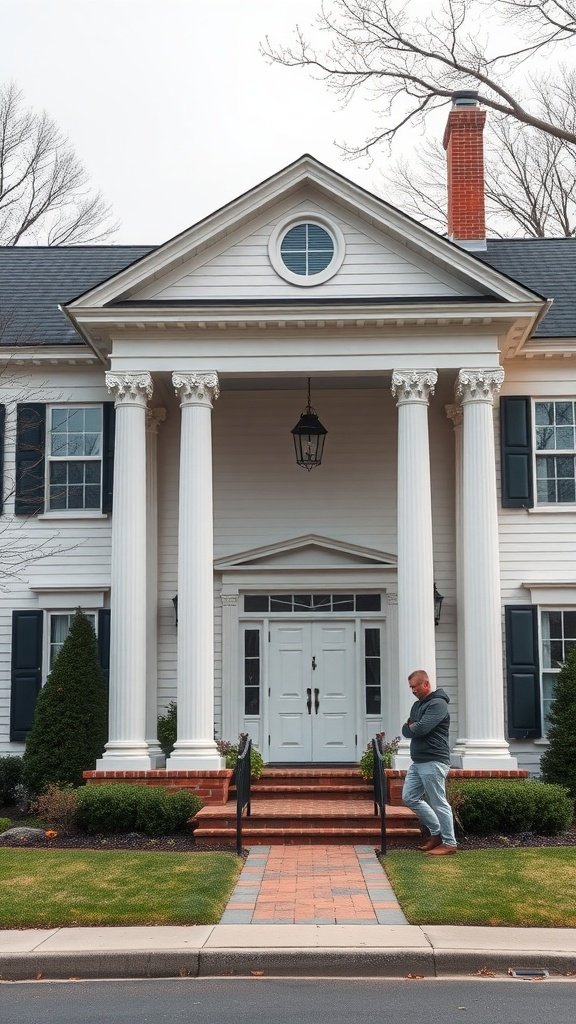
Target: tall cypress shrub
(558, 764)
(70, 723)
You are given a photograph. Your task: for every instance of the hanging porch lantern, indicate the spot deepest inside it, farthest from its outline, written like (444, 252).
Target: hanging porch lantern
(438, 598)
(309, 436)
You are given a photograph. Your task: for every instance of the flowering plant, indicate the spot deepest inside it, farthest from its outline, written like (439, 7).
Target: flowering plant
(231, 751)
(51, 833)
(388, 751)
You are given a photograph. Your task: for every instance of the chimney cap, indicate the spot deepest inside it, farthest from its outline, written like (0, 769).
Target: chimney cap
(465, 98)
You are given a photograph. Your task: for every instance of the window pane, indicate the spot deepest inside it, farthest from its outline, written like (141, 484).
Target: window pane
(93, 419)
(372, 671)
(566, 490)
(556, 653)
(372, 643)
(302, 602)
(251, 701)
(295, 238)
(252, 643)
(281, 603)
(343, 602)
(75, 472)
(59, 418)
(75, 497)
(544, 438)
(92, 496)
(75, 420)
(91, 444)
(256, 603)
(544, 412)
(564, 412)
(373, 700)
(570, 625)
(565, 438)
(58, 473)
(367, 602)
(321, 602)
(252, 672)
(554, 624)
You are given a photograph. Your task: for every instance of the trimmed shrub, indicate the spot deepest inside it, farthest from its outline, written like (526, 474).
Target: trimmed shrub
(70, 724)
(167, 728)
(558, 763)
(122, 807)
(11, 769)
(482, 806)
(57, 805)
(5, 824)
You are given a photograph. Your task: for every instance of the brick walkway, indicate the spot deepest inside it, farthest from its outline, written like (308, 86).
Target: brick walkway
(313, 885)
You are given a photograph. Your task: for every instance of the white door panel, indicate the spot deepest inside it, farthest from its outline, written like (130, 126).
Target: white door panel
(312, 687)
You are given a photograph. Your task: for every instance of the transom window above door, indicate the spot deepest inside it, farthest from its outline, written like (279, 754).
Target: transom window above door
(316, 603)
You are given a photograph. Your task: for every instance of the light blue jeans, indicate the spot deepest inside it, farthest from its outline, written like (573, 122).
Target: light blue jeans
(425, 793)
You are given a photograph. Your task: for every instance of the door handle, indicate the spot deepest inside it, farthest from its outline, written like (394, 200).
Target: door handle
(316, 699)
(314, 663)
(309, 700)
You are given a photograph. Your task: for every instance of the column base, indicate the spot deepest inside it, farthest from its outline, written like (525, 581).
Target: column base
(156, 755)
(119, 763)
(401, 762)
(477, 757)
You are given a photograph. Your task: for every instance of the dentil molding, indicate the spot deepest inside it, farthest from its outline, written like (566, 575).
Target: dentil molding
(479, 385)
(129, 386)
(199, 387)
(413, 385)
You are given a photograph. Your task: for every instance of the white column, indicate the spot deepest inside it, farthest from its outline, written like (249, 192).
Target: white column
(416, 640)
(126, 748)
(455, 413)
(195, 747)
(153, 419)
(484, 745)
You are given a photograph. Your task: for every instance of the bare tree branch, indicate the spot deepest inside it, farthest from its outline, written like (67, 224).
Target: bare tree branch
(412, 63)
(45, 196)
(530, 183)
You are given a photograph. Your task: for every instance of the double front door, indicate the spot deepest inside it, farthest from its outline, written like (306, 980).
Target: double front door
(312, 692)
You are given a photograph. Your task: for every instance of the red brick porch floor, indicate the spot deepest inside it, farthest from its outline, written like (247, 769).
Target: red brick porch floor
(313, 885)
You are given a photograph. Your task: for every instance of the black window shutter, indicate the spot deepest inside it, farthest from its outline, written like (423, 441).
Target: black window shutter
(104, 642)
(109, 415)
(522, 671)
(30, 470)
(516, 451)
(26, 671)
(2, 433)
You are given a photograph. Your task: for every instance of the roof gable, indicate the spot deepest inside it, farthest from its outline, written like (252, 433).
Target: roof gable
(309, 551)
(261, 204)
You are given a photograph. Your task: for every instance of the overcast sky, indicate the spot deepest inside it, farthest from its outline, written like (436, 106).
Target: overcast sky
(168, 102)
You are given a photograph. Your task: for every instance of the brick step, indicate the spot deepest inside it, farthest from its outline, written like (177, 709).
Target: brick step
(277, 777)
(338, 791)
(268, 836)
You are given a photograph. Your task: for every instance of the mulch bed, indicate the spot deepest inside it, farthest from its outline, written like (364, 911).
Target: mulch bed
(183, 842)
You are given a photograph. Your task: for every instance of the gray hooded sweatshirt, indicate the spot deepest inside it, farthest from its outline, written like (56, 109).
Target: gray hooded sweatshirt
(431, 720)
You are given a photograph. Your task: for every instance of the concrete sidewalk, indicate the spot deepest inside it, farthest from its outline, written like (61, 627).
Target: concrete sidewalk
(353, 951)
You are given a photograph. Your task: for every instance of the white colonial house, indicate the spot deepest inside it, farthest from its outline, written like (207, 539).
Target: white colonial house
(150, 398)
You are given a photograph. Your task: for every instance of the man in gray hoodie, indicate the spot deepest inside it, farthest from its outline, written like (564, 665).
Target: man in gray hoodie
(425, 784)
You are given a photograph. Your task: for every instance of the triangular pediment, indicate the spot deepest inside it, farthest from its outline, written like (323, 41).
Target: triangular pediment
(226, 257)
(308, 552)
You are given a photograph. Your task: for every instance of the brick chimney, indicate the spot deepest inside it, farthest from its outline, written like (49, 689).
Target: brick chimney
(463, 142)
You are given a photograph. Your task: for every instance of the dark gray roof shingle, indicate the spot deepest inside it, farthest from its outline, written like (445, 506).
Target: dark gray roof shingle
(35, 279)
(547, 266)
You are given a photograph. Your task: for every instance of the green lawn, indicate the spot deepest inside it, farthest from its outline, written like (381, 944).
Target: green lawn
(50, 888)
(516, 888)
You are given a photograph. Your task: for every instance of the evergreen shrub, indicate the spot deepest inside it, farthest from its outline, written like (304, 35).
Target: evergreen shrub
(482, 806)
(167, 728)
(558, 763)
(122, 807)
(10, 776)
(70, 723)
(5, 824)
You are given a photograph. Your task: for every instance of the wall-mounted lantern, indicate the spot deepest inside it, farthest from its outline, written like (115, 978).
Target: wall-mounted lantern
(438, 599)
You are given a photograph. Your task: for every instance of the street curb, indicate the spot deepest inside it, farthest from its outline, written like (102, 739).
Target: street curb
(342, 962)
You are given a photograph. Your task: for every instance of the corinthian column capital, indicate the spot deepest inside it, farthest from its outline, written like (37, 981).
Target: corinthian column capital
(413, 385)
(196, 388)
(130, 387)
(479, 385)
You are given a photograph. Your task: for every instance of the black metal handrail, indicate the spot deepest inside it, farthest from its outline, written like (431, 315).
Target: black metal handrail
(379, 781)
(242, 778)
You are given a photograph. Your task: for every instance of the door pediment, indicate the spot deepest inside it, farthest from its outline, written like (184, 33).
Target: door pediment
(307, 552)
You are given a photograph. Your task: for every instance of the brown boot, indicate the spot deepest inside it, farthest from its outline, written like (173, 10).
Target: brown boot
(430, 843)
(442, 851)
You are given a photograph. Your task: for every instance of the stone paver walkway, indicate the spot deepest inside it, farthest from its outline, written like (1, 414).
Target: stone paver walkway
(313, 885)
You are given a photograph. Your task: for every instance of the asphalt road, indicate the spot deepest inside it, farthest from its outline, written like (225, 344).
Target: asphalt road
(289, 1001)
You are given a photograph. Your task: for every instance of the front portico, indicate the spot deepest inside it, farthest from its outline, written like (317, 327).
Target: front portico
(397, 505)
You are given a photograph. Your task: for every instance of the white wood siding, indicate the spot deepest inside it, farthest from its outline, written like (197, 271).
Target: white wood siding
(239, 267)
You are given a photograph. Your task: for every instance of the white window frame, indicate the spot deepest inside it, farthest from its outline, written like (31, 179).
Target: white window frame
(543, 668)
(48, 615)
(50, 459)
(543, 452)
(306, 217)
